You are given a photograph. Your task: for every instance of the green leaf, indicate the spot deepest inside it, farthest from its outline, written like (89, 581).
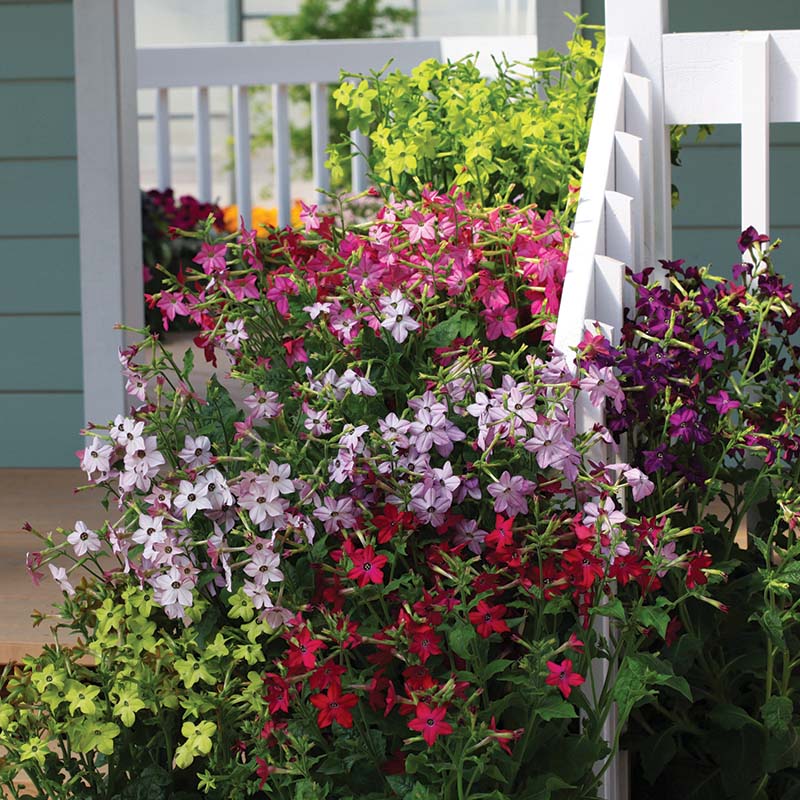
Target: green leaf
(496, 666)
(420, 792)
(730, 717)
(790, 573)
(555, 708)
(653, 617)
(658, 752)
(777, 713)
(188, 363)
(460, 636)
(771, 623)
(443, 334)
(613, 608)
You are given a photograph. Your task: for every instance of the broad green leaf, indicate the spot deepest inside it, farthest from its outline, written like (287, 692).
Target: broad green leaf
(460, 636)
(777, 713)
(730, 717)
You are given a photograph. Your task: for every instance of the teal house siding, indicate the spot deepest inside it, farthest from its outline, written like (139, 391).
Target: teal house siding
(706, 221)
(41, 400)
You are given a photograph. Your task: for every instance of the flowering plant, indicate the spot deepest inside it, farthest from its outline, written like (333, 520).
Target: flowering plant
(711, 412)
(162, 249)
(398, 570)
(523, 134)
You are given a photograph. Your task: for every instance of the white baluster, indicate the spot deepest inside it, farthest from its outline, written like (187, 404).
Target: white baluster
(281, 151)
(163, 160)
(203, 137)
(241, 149)
(320, 134)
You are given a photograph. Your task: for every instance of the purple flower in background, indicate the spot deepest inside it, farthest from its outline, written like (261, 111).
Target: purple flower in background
(658, 459)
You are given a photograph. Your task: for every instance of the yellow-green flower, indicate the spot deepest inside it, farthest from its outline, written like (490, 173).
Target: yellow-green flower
(198, 742)
(141, 635)
(34, 750)
(90, 735)
(81, 698)
(191, 671)
(128, 703)
(48, 678)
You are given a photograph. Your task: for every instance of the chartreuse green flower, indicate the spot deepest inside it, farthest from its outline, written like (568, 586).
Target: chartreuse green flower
(138, 599)
(89, 735)
(7, 714)
(217, 648)
(251, 653)
(241, 606)
(257, 628)
(35, 749)
(141, 635)
(48, 678)
(81, 698)
(109, 617)
(191, 671)
(128, 703)
(196, 704)
(198, 742)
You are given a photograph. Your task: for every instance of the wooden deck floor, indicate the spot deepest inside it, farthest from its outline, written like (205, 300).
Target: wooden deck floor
(45, 499)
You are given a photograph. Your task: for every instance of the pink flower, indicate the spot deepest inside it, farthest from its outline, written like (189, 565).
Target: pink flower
(500, 322)
(308, 216)
(196, 452)
(211, 257)
(170, 305)
(295, 352)
(420, 226)
(562, 676)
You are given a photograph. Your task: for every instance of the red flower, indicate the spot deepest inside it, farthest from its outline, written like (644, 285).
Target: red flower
(488, 619)
(327, 675)
(424, 642)
(561, 675)
(429, 721)
(334, 707)
(390, 522)
(694, 569)
(502, 537)
(367, 566)
(504, 737)
(295, 351)
(302, 650)
(583, 566)
(263, 771)
(277, 693)
(417, 679)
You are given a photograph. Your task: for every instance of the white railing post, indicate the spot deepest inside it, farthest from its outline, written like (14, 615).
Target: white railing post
(645, 22)
(203, 135)
(241, 149)
(359, 148)
(754, 55)
(320, 134)
(281, 152)
(163, 159)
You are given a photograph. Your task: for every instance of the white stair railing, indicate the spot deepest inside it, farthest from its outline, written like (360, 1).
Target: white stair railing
(280, 65)
(650, 80)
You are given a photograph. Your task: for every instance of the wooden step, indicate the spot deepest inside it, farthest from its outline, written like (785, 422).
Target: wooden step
(45, 499)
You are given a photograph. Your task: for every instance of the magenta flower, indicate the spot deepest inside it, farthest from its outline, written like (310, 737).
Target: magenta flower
(722, 402)
(500, 322)
(211, 257)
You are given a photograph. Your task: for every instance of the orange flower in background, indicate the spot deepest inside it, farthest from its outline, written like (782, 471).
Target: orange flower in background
(261, 216)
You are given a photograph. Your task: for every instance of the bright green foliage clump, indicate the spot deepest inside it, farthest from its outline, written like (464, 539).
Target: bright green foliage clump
(522, 134)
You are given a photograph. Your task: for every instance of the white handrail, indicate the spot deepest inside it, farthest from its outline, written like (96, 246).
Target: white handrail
(318, 63)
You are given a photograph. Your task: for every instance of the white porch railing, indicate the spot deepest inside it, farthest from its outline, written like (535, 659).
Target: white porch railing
(316, 64)
(652, 79)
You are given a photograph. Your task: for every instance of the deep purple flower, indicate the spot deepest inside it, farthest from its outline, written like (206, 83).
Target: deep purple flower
(658, 459)
(750, 236)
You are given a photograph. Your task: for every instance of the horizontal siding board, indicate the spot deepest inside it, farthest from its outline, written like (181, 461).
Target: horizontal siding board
(36, 41)
(40, 276)
(42, 197)
(46, 355)
(43, 114)
(40, 430)
(709, 183)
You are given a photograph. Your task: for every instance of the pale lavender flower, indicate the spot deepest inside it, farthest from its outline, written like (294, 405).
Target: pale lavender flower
(641, 486)
(62, 579)
(84, 540)
(510, 494)
(191, 498)
(468, 532)
(601, 384)
(196, 452)
(97, 457)
(430, 504)
(264, 405)
(335, 514)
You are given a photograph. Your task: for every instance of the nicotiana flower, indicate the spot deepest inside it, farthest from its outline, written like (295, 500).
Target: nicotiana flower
(196, 451)
(396, 316)
(84, 540)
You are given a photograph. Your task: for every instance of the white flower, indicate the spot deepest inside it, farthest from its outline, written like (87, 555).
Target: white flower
(60, 577)
(191, 498)
(148, 528)
(396, 316)
(196, 452)
(235, 334)
(83, 540)
(96, 457)
(125, 430)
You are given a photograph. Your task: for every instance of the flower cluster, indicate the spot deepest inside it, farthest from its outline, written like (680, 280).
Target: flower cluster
(399, 534)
